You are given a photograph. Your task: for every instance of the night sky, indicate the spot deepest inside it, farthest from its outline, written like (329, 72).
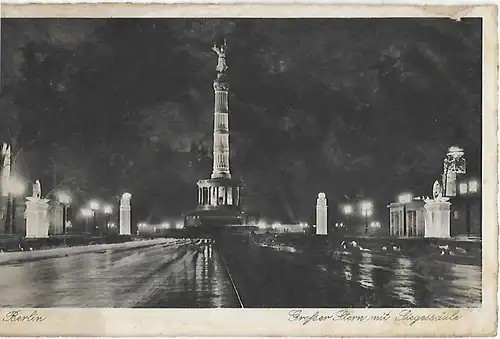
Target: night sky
(357, 108)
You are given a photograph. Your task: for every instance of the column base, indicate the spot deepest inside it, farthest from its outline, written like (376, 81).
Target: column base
(221, 175)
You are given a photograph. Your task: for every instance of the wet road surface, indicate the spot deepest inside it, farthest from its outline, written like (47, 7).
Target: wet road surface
(186, 274)
(192, 274)
(291, 276)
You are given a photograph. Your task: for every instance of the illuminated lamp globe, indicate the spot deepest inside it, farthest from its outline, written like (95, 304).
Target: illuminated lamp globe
(16, 187)
(86, 212)
(108, 209)
(64, 198)
(347, 209)
(366, 206)
(94, 205)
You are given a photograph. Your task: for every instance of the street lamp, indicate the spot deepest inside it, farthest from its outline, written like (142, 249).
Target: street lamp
(94, 206)
(86, 213)
(347, 210)
(366, 210)
(108, 210)
(405, 198)
(65, 199)
(16, 188)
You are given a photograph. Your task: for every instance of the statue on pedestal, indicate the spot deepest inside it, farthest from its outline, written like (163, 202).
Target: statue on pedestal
(221, 52)
(37, 189)
(437, 190)
(37, 221)
(437, 221)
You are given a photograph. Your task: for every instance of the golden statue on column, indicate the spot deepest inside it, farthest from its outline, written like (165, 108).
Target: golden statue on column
(221, 52)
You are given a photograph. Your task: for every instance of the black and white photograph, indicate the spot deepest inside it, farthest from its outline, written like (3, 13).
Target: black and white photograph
(285, 163)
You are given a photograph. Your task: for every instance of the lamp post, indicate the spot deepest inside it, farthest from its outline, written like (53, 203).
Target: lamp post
(16, 189)
(347, 210)
(366, 210)
(86, 213)
(108, 210)
(404, 199)
(65, 199)
(94, 206)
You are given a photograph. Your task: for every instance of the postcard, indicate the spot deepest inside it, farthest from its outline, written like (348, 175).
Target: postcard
(248, 170)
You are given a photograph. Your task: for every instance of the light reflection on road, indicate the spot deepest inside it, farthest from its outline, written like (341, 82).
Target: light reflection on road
(403, 284)
(366, 270)
(414, 282)
(159, 276)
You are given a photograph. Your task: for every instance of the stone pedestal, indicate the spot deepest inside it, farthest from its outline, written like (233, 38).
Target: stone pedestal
(437, 219)
(125, 214)
(321, 215)
(37, 219)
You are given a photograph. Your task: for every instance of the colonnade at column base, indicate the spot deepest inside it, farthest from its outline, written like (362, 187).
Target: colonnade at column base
(219, 203)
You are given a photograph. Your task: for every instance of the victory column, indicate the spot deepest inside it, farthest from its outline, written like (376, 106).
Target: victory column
(220, 197)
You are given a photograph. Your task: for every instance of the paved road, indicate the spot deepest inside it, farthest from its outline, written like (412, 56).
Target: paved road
(192, 274)
(291, 276)
(188, 274)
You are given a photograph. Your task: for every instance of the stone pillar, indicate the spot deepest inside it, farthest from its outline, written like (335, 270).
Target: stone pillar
(125, 214)
(230, 200)
(437, 218)
(450, 182)
(221, 195)
(321, 215)
(37, 219)
(404, 222)
(401, 222)
(421, 222)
